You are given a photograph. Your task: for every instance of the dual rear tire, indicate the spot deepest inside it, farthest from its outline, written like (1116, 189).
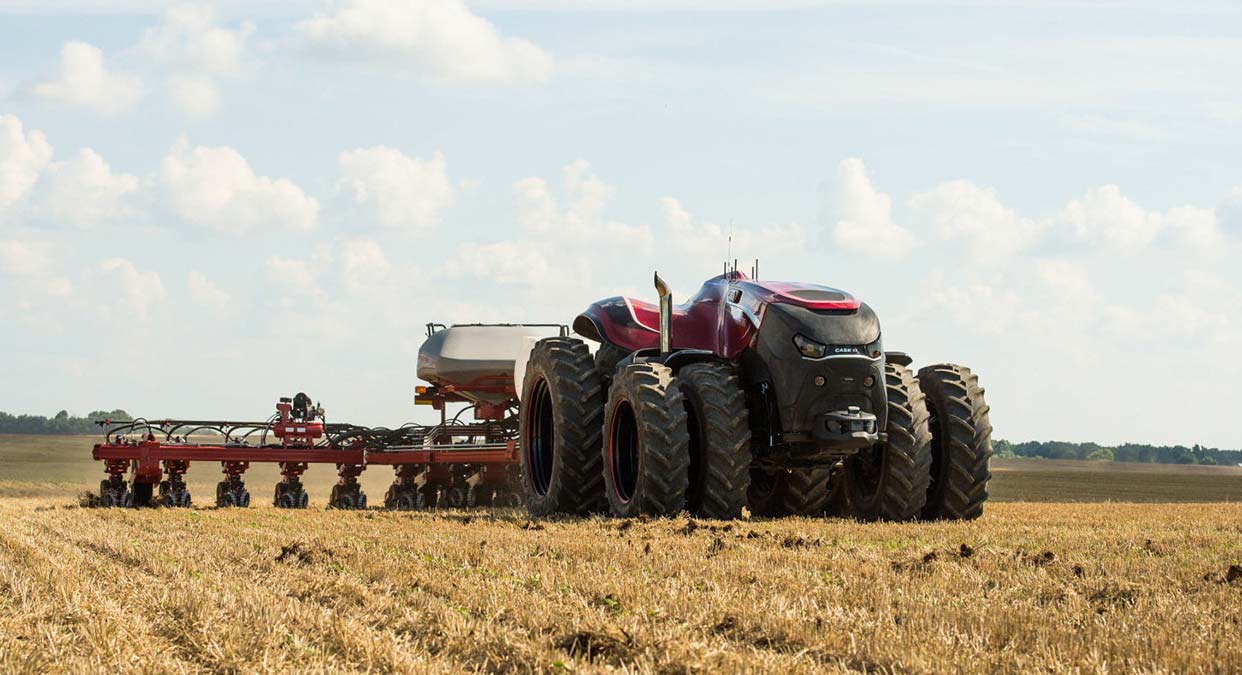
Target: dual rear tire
(561, 422)
(935, 464)
(646, 444)
(673, 443)
(649, 444)
(889, 481)
(961, 446)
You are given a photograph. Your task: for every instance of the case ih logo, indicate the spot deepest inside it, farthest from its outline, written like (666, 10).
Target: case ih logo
(845, 350)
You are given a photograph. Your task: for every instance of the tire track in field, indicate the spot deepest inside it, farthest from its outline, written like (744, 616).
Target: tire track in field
(374, 597)
(168, 619)
(334, 592)
(164, 619)
(141, 577)
(60, 571)
(442, 579)
(319, 617)
(318, 613)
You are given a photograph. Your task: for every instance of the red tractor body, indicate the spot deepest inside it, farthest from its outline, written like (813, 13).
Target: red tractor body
(800, 403)
(723, 317)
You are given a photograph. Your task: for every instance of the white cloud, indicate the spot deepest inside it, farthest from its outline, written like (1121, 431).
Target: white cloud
(586, 196)
(84, 80)
(860, 217)
(1187, 313)
(704, 245)
(966, 301)
(676, 217)
(442, 37)
(84, 192)
(365, 268)
(575, 236)
(571, 246)
(536, 207)
(589, 194)
(1106, 126)
(188, 38)
(1230, 212)
(23, 155)
(194, 51)
(1103, 220)
(57, 287)
(293, 275)
(507, 262)
(205, 293)
(962, 211)
(19, 259)
(33, 294)
(140, 289)
(216, 188)
(1066, 284)
(396, 190)
(195, 95)
(1193, 226)
(1105, 217)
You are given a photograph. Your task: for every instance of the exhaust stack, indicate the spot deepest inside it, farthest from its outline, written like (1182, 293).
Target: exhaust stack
(666, 315)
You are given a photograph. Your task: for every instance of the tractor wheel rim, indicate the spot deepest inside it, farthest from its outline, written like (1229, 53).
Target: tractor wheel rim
(623, 451)
(540, 437)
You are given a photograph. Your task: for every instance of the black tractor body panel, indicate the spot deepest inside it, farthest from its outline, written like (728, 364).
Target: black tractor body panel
(811, 398)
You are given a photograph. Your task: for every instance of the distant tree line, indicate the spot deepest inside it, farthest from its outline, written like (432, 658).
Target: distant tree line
(62, 423)
(1127, 452)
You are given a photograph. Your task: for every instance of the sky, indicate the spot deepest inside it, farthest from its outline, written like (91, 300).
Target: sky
(204, 207)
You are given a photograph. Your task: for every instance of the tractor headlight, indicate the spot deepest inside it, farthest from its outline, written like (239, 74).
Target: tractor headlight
(810, 348)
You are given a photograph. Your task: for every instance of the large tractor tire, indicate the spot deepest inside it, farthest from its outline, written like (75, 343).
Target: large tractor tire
(961, 442)
(646, 443)
(607, 357)
(560, 423)
(775, 493)
(889, 482)
(719, 440)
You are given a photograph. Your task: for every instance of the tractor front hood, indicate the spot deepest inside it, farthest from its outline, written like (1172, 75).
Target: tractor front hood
(810, 391)
(809, 296)
(857, 327)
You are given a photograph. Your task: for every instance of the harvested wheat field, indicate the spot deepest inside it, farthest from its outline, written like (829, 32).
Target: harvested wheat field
(1047, 587)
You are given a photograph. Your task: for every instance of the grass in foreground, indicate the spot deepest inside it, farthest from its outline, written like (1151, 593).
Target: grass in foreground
(1086, 587)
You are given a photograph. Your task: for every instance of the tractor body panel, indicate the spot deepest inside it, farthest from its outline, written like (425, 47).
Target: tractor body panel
(808, 392)
(722, 317)
(818, 409)
(633, 324)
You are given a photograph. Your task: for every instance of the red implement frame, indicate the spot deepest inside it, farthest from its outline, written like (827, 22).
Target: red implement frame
(149, 454)
(161, 453)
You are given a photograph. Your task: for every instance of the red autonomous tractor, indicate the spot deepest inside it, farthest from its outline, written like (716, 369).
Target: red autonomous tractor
(774, 396)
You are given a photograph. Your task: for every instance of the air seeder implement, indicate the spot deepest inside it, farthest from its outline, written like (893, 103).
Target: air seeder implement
(453, 463)
(775, 398)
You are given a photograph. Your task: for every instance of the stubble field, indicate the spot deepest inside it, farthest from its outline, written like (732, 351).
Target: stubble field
(1032, 586)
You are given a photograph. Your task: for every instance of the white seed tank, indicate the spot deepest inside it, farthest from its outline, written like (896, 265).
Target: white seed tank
(484, 363)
